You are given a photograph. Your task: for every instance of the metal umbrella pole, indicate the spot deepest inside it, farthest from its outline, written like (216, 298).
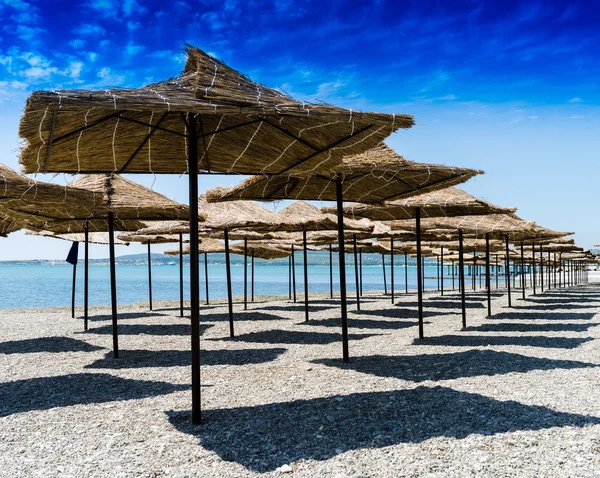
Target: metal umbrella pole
(356, 280)
(542, 267)
(330, 271)
(406, 272)
(180, 274)
(113, 284)
(206, 274)
(228, 274)
(252, 277)
(508, 272)
(392, 267)
(488, 284)
(461, 277)
(342, 266)
(419, 271)
(192, 146)
(293, 273)
(305, 256)
(149, 276)
(73, 289)
(533, 280)
(245, 274)
(361, 271)
(384, 278)
(442, 271)
(523, 274)
(85, 275)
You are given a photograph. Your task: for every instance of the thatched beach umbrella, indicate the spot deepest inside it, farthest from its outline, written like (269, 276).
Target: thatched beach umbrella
(124, 200)
(373, 176)
(239, 126)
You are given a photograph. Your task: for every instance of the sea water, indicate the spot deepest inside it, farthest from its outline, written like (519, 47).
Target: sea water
(37, 285)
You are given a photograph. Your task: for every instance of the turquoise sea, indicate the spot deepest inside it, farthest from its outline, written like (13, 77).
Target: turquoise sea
(36, 285)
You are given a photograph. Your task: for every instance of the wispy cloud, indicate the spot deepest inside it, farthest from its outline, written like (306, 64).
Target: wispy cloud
(91, 29)
(575, 100)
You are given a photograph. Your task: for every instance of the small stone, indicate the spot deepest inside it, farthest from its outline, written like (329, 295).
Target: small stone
(284, 469)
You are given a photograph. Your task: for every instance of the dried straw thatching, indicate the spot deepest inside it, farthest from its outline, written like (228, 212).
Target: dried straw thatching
(207, 245)
(235, 214)
(300, 215)
(498, 226)
(150, 239)
(262, 251)
(8, 225)
(444, 202)
(376, 175)
(93, 237)
(245, 127)
(129, 200)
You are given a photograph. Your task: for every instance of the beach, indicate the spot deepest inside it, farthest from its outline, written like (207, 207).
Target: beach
(511, 395)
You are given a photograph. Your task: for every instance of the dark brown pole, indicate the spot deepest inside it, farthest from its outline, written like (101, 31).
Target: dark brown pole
(342, 266)
(442, 271)
(392, 268)
(229, 292)
(149, 276)
(384, 278)
(192, 146)
(419, 272)
(542, 267)
(497, 271)
(533, 281)
(356, 275)
(523, 272)
(508, 272)
(206, 274)
(73, 290)
(113, 284)
(85, 276)
(360, 269)
(306, 318)
(180, 274)
(252, 263)
(245, 274)
(330, 271)
(290, 277)
(461, 277)
(406, 272)
(452, 265)
(488, 284)
(294, 273)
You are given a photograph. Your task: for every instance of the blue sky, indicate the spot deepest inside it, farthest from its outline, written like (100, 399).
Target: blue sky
(508, 87)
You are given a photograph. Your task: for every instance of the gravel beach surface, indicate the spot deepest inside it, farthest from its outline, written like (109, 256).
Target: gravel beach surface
(515, 394)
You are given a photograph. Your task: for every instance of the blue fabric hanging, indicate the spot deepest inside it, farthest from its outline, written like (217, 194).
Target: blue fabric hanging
(73, 254)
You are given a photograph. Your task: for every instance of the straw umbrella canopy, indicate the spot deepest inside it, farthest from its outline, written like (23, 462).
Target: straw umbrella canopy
(378, 174)
(8, 225)
(237, 126)
(441, 203)
(93, 237)
(149, 238)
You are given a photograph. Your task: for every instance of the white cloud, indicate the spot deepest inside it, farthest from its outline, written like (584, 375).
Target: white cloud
(131, 7)
(109, 78)
(575, 100)
(132, 49)
(92, 29)
(576, 117)
(77, 43)
(449, 97)
(533, 117)
(131, 25)
(75, 68)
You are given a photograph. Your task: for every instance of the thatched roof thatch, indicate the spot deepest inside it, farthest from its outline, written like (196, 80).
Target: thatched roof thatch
(246, 127)
(149, 238)
(93, 237)
(262, 251)
(376, 175)
(235, 214)
(8, 225)
(207, 245)
(498, 226)
(130, 200)
(444, 202)
(300, 215)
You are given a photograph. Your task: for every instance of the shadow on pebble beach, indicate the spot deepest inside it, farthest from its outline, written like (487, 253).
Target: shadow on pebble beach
(75, 389)
(265, 437)
(498, 340)
(55, 344)
(474, 363)
(178, 358)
